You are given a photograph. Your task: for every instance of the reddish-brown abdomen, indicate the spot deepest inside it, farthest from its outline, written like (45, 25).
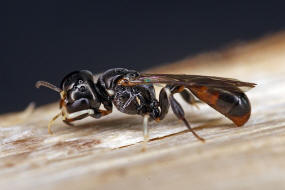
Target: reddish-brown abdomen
(232, 103)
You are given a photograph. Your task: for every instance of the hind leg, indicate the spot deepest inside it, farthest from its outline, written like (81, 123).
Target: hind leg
(190, 98)
(166, 98)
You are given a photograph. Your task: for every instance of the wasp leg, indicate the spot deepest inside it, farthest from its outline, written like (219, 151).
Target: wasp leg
(68, 122)
(166, 97)
(145, 131)
(99, 113)
(108, 108)
(179, 112)
(190, 98)
(163, 104)
(70, 117)
(52, 121)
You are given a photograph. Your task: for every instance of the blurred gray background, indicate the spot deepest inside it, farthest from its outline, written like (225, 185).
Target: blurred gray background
(47, 40)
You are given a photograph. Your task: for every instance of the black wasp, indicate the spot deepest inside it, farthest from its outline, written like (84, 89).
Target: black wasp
(133, 93)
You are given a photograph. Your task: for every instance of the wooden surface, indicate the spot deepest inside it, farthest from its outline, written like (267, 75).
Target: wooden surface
(105, 153)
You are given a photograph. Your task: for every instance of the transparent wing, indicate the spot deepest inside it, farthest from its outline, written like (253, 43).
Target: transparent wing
(193, 81)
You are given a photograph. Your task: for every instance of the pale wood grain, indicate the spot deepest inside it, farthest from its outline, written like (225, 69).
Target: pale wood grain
(105, 153)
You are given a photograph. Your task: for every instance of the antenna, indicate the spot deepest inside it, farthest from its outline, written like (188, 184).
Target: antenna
(48, 85)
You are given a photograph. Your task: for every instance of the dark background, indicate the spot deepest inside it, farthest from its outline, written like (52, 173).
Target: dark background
(46, 40)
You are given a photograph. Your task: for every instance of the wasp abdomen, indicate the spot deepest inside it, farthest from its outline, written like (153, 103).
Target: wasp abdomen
(237, 107)
(234, 105)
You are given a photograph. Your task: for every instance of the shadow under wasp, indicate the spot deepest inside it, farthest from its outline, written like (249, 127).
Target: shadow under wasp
(133, 93)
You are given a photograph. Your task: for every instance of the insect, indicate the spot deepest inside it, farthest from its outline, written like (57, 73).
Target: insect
(133, 93)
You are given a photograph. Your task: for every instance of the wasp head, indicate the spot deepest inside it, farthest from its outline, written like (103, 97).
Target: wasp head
(79, 97)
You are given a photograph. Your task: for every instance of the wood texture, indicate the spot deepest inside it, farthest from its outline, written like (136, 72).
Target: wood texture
(105, 153)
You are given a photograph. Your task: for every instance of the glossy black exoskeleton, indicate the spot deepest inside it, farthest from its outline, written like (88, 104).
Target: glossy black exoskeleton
(133, 93)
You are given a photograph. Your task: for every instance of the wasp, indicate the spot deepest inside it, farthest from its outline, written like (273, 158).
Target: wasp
(83, 95)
